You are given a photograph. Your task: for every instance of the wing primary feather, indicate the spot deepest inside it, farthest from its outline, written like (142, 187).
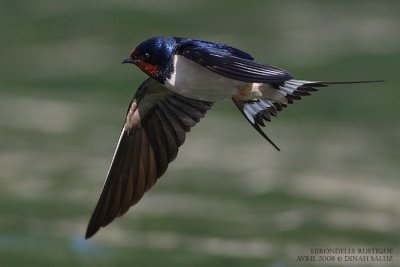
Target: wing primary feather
(152, 168)
(139, 171)
(185, 107)
(101, 215)
(127, 176)
(169, 136)
(161, 149)
(176, 123)
(115, 182)
(185, 117)
(201, 105)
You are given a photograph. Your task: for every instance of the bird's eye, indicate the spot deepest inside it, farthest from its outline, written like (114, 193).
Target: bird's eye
(146, 55)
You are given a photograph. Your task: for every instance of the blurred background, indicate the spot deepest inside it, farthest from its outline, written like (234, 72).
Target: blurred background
(229, 199)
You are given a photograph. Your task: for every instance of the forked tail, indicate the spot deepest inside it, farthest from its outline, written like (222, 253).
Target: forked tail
(256, 111)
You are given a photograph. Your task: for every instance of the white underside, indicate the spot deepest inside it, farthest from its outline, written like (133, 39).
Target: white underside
(195, 81)
(192, 80)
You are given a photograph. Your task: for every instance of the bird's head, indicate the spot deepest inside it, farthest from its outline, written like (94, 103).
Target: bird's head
(154, 57)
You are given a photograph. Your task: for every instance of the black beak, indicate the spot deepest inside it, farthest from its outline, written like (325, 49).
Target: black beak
(127, 61)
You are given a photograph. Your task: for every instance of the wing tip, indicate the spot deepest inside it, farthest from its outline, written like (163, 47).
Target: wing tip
(93, 227)
(91, 232)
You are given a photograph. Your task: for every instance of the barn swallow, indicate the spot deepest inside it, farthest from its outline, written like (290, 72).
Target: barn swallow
(186, 77)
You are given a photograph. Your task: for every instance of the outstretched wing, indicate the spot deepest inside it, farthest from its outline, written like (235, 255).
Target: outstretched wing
(229, 63)
(155, 127)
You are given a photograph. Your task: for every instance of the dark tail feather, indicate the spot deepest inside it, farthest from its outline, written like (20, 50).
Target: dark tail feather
(295, 89)
(253, 112)
(349, 82)
(256, 111)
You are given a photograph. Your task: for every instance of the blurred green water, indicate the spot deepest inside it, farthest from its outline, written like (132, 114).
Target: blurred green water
(228, 199)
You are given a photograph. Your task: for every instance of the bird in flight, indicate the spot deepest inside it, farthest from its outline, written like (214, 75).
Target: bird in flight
(186, 77)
